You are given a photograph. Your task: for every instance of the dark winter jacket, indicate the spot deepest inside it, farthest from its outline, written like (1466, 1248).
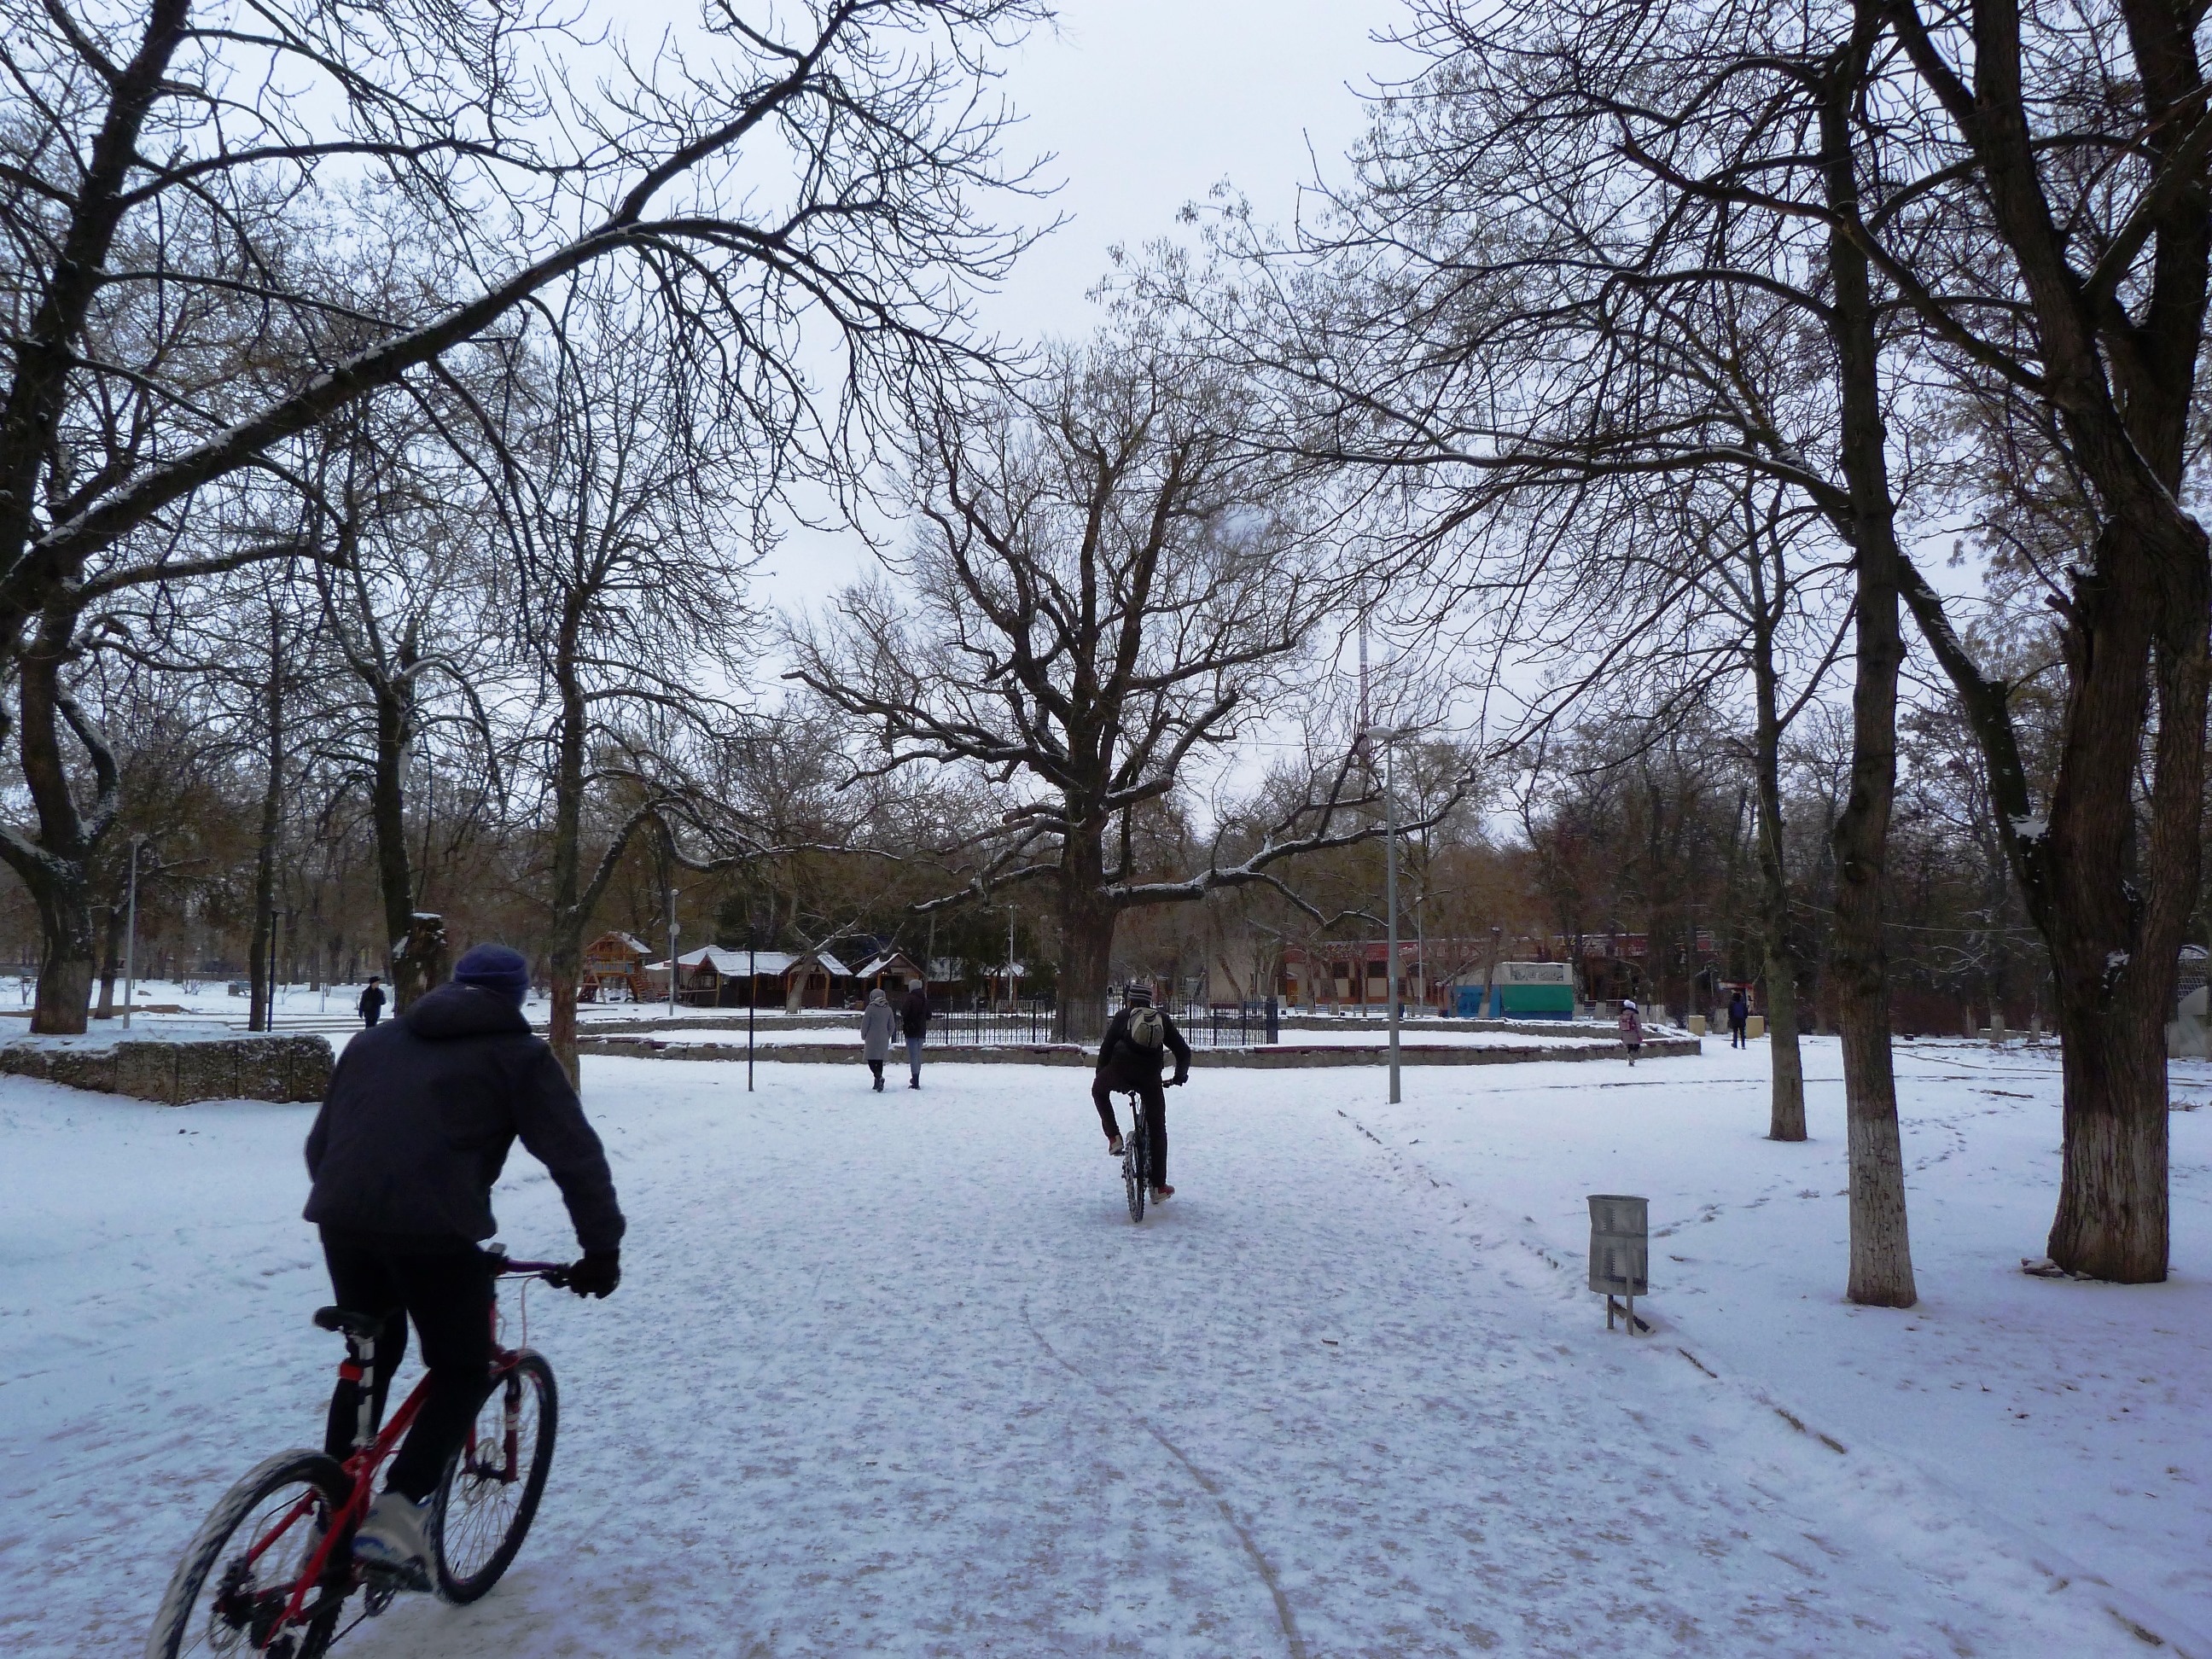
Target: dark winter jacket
(421, 1113)
(1738, 1012)
(913, 1013)
(372, 1000)
(1124, 1065)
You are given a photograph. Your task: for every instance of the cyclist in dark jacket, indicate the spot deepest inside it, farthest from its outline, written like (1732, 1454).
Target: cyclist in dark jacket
(413, 1130)
(1125, 1064)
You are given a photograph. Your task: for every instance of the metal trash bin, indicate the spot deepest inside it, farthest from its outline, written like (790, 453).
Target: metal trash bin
(1620, 1254)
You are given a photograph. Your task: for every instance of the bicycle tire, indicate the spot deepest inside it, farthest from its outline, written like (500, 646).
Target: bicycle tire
(479, 1515)
(1133, 1164)
(265, 1491)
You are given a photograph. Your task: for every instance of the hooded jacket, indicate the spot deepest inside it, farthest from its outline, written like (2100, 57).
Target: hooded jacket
(421, 1111)
(914, 1015)
(1126, 1066)
(877, 1023)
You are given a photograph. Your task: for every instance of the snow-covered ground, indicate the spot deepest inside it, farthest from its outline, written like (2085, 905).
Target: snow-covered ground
(893, 1374)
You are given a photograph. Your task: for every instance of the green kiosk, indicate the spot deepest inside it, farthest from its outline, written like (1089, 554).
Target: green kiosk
(1525, 990)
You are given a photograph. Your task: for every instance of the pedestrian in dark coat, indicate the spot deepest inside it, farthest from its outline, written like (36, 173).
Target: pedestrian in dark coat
(1739, 1017)
(913, 1021)
(372, 1002)
(877, 1023)
(413, 1130)
(1124, 1065)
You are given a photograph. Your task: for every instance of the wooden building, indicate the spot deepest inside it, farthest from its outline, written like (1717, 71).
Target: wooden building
(613, 970)
(712, 977)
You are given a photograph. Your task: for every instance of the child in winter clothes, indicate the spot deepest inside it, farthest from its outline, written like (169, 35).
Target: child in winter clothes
(1632, 1030)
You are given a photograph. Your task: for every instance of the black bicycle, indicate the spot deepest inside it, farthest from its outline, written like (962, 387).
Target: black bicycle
(1133, 1160)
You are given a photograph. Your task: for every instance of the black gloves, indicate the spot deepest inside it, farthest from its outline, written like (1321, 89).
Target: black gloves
(597, 1274)
(1179, 1079)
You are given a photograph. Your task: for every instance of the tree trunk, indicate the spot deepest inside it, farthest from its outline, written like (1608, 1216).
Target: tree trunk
(1786, 1111)
(423, 948)
(564, 974)
(1087, 920)
(64, 994)
(111, 961)
(55, 868)
(395, 876)
(1881, 1255)
(565, 941)
(260, 1008)
(2119, 901)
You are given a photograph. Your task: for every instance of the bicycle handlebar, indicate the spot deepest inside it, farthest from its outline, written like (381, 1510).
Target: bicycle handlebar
(552, 1271)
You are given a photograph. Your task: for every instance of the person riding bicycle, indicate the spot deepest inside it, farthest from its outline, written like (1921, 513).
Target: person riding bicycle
(1130, 1057)
(414, 1129)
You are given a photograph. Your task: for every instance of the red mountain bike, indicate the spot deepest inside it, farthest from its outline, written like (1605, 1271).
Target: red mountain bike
(272, 1568)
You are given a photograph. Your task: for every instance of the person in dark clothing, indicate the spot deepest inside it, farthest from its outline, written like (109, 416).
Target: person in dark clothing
(1127, 1063)
(372, 1002)
(913, 1021)
(1739, 1017)
(413, 1130)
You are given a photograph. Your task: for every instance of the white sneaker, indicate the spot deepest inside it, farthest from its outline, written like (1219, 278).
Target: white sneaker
(392, 1533)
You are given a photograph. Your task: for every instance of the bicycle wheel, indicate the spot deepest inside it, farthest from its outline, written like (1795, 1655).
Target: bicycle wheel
(240, 1570)
(1132, 1166)
(484, 1504)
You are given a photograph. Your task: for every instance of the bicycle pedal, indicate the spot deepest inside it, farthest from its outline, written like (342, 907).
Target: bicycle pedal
(383, 1583)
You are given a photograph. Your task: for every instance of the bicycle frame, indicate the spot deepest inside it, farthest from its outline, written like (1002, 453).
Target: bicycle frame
(362, 1466)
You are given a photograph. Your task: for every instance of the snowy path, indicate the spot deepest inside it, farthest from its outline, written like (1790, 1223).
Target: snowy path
(893, 1374)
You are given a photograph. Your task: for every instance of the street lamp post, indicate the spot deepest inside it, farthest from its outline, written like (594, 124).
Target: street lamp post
(1388, 737)
(672, 953)
(1390, 898)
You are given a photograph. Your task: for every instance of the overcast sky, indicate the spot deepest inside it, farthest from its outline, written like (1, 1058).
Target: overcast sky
(1146, 105)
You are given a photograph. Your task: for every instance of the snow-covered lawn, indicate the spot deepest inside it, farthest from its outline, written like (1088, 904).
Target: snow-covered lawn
(894, 1373)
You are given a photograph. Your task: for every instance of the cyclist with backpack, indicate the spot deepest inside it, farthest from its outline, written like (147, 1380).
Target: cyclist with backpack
(1130, 1057)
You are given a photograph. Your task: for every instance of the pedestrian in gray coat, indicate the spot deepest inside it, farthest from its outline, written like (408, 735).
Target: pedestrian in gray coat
(877, 1022)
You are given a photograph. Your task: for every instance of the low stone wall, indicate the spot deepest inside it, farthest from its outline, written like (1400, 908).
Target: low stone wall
(277, 1068)
(1068, 1054)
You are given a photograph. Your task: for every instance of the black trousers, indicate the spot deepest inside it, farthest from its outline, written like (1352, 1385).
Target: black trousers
(1155, 1101)
(444, 1290)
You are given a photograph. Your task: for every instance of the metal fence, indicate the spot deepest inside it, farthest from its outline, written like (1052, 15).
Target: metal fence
(1042, 1021)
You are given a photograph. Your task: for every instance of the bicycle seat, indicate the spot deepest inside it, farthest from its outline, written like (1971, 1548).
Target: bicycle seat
(348, 1323)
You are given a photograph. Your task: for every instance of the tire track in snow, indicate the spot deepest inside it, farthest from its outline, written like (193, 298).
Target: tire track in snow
(1283, 1615)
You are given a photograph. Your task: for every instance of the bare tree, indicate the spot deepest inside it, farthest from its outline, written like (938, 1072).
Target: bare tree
(626, 525)
(1518, 314)
(178, 293)
(1103, 587)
